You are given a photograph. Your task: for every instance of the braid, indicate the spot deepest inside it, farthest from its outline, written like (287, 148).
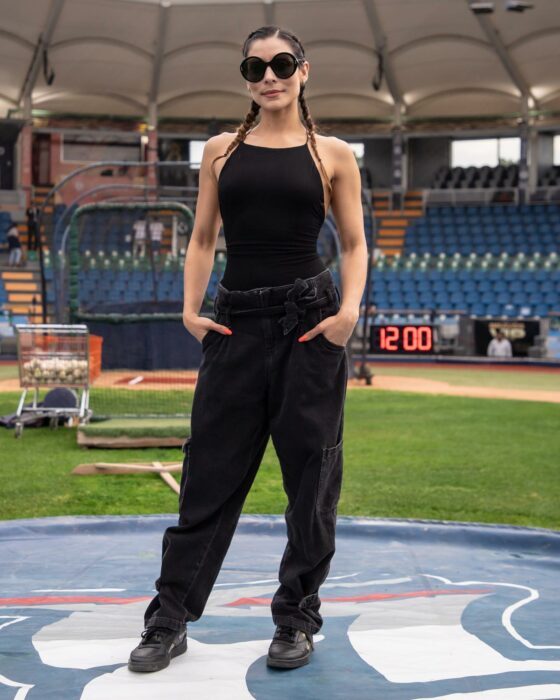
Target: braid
(243, 129)
(312, 130)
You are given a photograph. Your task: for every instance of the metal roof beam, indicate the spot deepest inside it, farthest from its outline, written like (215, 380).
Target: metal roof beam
(159, 53)
(42, 44)
(510, 66)
(381, 46)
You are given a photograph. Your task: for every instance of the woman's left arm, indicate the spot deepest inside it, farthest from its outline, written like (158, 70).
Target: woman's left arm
(346, 204)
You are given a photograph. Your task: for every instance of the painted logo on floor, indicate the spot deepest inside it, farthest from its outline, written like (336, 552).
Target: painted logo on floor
(391, 638)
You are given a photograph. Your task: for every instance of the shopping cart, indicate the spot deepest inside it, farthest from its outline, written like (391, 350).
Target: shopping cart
(53, 355)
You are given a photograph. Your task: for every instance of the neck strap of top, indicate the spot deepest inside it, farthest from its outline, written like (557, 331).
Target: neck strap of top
(306, 131)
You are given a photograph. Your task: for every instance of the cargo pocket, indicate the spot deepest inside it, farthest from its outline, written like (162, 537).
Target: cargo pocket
(185, 471)
(330, 478)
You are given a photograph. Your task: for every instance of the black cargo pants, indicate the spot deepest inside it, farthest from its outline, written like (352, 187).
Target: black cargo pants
(260, 382)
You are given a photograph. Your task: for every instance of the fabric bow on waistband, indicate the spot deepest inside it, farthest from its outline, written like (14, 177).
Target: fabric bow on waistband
(302, 293)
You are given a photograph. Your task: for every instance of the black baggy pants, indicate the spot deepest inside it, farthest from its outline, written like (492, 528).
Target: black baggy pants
(256, 383)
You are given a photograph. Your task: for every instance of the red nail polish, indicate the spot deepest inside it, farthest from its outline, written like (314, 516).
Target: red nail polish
(302, 338)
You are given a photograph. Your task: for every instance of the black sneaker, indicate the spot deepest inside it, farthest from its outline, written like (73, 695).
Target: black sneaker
(158, 646)
(289, 648)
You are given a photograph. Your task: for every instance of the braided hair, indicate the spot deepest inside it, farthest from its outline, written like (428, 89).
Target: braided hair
(250, 117)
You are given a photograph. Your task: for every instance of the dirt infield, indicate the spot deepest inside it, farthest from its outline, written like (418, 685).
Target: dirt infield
(432, 386)
(392, 379)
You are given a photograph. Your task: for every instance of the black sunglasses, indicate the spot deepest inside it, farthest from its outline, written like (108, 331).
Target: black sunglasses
(283, 64)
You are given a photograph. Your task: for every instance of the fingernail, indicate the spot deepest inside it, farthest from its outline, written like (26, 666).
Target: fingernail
(301, 338)
(229, 331)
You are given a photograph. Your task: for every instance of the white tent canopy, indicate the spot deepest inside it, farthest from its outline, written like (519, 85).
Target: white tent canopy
(181, 58)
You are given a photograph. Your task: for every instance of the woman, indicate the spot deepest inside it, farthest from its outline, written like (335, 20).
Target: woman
(14, 244)
(261, 376)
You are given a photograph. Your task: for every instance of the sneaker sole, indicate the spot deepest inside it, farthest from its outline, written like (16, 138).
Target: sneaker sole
(288, 663)
(150, 666)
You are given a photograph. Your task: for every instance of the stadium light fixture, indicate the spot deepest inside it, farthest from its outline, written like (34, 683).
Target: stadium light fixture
(481, 7)
(519, 5)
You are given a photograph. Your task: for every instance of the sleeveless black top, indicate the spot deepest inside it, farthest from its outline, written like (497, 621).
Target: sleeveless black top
(272, 207)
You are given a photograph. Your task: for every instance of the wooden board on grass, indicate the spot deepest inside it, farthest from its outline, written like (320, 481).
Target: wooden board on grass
(162, 469)
(125, 441)
(135, 432)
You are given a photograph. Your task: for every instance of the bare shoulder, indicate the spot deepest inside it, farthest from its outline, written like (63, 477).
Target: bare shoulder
(218, 143)
(214, 147)
(337, 154)
(339, 148)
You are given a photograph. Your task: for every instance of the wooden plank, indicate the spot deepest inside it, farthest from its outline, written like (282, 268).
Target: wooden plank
(21, 287)
(392, 251)
(14, 275)
(390, 223)
(384, 231)
(22, 308)
(14, 297)
(126, 467)
(169, 480)
(126, 441)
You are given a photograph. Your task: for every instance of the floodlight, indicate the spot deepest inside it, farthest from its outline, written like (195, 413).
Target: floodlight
(482, 7)
(519, 5)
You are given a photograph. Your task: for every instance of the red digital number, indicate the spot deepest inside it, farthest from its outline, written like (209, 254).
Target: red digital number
(425, 338)
(414, 338)
(389, 338)
(417, 338)
(410, 341)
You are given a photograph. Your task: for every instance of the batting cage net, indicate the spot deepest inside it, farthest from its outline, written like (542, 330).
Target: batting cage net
(125, 281)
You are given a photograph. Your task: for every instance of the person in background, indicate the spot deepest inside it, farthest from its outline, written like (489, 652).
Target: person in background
(156, 234)
(499, 346)
(14, 244)
(32, 237)
(139, 241)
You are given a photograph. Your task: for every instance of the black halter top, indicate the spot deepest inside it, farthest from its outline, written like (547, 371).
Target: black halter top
(272, 207)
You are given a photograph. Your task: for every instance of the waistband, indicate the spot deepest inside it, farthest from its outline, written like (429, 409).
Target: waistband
(291, 300)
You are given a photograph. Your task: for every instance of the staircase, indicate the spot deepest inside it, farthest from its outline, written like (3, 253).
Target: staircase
(392, 224)
(23, 291)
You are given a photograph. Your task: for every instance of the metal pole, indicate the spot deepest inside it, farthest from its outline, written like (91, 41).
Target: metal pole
(364, 371)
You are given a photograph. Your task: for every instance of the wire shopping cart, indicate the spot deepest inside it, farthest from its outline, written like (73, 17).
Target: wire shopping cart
(53, 355)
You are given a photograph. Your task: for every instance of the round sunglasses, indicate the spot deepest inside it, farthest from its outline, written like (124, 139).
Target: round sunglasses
(284, 65)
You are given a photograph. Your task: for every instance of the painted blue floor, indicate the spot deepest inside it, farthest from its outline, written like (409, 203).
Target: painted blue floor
(412, 609)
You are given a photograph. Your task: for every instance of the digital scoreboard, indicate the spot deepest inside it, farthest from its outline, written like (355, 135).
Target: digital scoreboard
(408, 339)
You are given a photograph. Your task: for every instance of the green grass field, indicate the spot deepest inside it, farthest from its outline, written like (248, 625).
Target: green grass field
(406, 455)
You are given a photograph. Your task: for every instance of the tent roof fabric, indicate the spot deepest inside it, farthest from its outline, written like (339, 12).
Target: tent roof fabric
(119, 56)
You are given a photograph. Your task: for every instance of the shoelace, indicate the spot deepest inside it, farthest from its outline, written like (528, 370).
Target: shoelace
(154, 632)
(286, 633)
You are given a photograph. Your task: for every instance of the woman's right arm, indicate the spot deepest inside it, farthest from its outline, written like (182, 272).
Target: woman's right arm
(199, 258)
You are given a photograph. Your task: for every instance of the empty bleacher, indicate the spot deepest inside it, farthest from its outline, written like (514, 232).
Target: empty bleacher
(484, 261)
(481, 229)
(550, 177)
(521, 287)
(499, 176)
